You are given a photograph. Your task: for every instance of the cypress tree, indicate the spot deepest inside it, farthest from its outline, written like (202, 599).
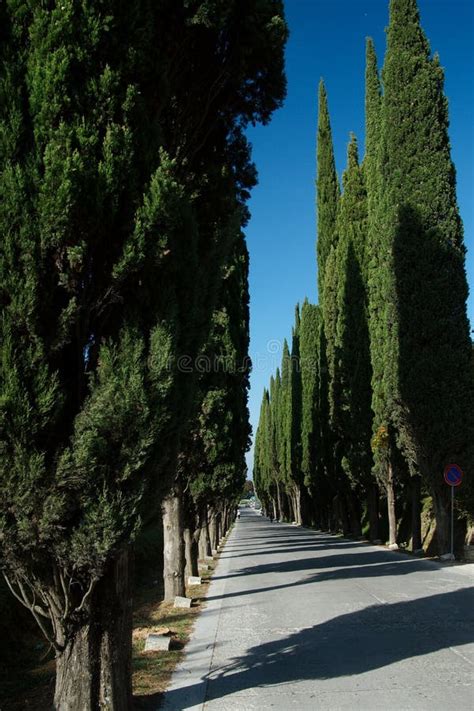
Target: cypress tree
(381, 305)
(349, 364)
(106, 281)
(213, 463)
(429, 348)
(263, 472)
(284, 428)
(310, 416)
(336, 431)
(327, 188)
(327, 198)
(275, 444)
(296, 405)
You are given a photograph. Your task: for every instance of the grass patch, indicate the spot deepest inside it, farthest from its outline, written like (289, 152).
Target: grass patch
(152, 670)
(27, 682)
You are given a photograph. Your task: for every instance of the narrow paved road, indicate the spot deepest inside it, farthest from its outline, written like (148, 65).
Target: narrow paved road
(302, 620)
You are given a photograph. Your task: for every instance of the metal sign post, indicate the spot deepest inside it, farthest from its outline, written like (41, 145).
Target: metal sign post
(453, 477)
(452, 521)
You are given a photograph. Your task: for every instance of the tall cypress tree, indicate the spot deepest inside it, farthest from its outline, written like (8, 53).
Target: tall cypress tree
(213, 462)
(284, 428)
(327, 198)
(327, 188)
(429, 348)
(259, 473)
(352, 406)
(123, 168)
(381, 303)
(311, 449)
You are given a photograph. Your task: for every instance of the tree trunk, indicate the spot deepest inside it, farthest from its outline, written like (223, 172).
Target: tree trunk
(442, 511)
(354, 515)
(275, 509)
(416, 513)
(298, 505)
(225, 520)
(305, 507)
(204, 545)
(280, 503)
(190, 553)
(340, 508)
(211, 518)
(173, 545)
(218, 528)
(392, 517)
(94, 669)
(331, 517)
(373, 511)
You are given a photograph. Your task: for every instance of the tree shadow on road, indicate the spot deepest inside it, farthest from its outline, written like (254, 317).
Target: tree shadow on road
(365, 564)
(348, 645)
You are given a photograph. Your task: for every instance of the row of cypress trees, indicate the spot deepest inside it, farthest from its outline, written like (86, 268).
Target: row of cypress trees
(377, 395)
(124, 176)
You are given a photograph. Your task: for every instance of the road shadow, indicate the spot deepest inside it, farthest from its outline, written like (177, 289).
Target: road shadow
(348, 645)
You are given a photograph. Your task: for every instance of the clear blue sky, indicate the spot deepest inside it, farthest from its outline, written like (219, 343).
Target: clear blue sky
(327, 39)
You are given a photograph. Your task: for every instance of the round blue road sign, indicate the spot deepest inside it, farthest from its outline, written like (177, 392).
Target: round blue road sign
(453, 475)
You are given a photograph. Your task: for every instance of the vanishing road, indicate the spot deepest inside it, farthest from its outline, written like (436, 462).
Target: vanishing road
(301, 620)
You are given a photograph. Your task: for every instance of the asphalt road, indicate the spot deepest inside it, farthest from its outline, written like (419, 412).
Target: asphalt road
(301, 620)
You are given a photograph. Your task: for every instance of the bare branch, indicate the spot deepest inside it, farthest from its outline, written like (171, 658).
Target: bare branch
(89, 590)
(66, 594)
(35, 610)
(25, 602)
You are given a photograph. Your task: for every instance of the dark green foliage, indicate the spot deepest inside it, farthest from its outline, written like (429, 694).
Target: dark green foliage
(378, 260)
(310, 385)
(283, 416)
(430, 365)
(348, 346)
(294, 431)
(213, 460)
(124, 176)
(327, 188)
(262, 470)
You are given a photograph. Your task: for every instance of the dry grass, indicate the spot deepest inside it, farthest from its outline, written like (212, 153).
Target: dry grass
(152, 670)
(31, 686)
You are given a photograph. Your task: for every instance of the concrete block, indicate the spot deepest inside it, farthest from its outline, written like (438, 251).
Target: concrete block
(468, 554)
(447, 556)
(204, 566)
(157, 642)
(214, 552)
(209, 558)
(184, 602)
(193, 580)
(393, 546)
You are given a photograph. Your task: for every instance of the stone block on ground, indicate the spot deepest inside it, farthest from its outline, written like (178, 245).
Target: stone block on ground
(468, 554)
(214, 551)
(446, 556)
(209, 558)
(157, 642)
(194, 580)
(184, 602)
(204, 566)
